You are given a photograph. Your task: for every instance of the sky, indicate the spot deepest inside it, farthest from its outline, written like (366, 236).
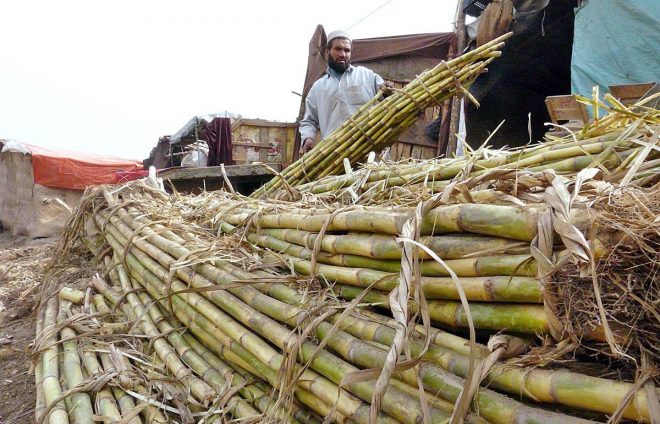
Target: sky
(112, 77)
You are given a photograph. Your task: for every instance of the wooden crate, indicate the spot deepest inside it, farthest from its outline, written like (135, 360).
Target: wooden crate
(566, 108)
(258, 140)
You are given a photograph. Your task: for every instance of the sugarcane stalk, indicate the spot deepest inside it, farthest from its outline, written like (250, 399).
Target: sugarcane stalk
(72, 295)
(237, 406)
(175, 254)
(124, 400)
(609, 159)
(105, 400)
(355, 350)
(520, 318)
(265, 357)
(388, 127)
(451, 353)
(512, 222)
(213, 371)
(488, 289)
(40, 405)
(333, 370)
(81, 405)
(312, 382)
(558, 386)
(101, 307)
(252, 392)
(50, 362)
(440, 173)
(350, 348)
(513, 265)
(446, 170)
(381, 246)
(199, 389)
(68, 402)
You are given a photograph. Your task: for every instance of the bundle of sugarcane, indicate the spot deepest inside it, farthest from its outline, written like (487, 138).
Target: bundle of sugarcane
(486, 246)
(376, 124)
(70, 380)
(175, 376)
(616, 143)
(305, 348)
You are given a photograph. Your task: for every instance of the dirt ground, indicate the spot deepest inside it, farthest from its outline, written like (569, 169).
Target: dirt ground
(22, 264)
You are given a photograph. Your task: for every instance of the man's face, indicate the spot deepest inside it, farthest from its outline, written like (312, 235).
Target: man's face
(339, 54)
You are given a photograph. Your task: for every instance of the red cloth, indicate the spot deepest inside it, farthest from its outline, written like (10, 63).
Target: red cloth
(76, 170)
(218, 137)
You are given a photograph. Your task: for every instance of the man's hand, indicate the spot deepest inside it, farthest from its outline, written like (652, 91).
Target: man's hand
(307, 145)
(387, 88)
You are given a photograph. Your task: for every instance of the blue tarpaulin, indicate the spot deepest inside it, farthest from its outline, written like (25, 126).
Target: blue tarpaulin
(615, 42)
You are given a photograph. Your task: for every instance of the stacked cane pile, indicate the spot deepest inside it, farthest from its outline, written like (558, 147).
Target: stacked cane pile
(218, 307)
(613, 143)
(231, 334)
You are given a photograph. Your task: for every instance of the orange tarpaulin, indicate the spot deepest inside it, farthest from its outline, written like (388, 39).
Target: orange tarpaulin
(76, 170)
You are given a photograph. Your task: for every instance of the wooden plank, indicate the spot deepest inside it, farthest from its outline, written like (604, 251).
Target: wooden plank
(271, 124)
(263, 138)
(214, 171)
(396, 151)
(630, 93)
(418, 142)
(566, 108)
(248, 144)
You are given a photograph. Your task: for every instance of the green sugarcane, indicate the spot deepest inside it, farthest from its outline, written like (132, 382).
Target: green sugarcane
(68, 402)
(392, 124)
(439, 173)
(325, 148)
(72, 295)
(551, 386)
(277, 334)
(252, 392)
(380, 246)
(395, 110)
(124, 400)
(266, 305)
(40, 405)
(214, 370)
(451, 353)
(50, 363)
(514, 265)
(199, 389)
(266, 357)
(211, 334)
(81, 410)
(495, 220)
(105, 400)
(99, 303)
(237, 406)
(488, 289)
(609, 159)
(349, 348)
(521, 318)
(332, 367)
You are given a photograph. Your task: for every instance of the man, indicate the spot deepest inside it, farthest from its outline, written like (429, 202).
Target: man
(339, 93)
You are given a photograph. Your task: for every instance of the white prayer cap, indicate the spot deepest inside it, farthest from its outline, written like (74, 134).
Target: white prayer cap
(338, 34)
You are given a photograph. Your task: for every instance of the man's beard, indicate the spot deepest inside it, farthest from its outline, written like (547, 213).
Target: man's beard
(339, 67)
